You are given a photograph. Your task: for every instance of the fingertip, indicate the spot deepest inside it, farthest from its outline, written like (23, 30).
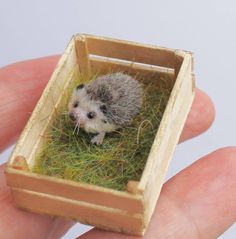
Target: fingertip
(200, 117)
(229, 151)
(226, 157)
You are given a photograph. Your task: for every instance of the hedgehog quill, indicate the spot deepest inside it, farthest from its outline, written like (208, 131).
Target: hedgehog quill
(105, 104)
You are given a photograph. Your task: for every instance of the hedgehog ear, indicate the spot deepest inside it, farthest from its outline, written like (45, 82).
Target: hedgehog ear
(103, 108)
(81, 86)
(91, 94)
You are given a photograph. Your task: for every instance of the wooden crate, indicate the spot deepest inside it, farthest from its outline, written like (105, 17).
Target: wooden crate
(122, 211)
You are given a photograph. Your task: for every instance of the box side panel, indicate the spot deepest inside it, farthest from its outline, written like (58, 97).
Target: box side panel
(104, 65)
(41, 116)
(74, 190)
(131, 51)
(167, 137)
(102, 217)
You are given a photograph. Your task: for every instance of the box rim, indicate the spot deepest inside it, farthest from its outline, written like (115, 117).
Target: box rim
(181, 53)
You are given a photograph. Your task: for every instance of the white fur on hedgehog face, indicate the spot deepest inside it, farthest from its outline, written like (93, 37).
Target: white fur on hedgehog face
(82, 108)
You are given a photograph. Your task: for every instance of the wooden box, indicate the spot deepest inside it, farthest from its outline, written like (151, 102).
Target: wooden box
(122, 211)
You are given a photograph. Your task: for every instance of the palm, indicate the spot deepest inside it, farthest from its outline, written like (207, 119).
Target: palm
(199, 202)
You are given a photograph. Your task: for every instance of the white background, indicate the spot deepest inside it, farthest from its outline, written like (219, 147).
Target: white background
(30, 29)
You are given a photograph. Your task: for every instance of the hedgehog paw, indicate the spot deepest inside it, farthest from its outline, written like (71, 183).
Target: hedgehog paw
(98, 139)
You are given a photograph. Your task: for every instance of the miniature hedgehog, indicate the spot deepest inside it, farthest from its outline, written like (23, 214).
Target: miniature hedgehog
(105, 104)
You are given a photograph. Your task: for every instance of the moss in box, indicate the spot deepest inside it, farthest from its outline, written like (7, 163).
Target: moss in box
(122, 157)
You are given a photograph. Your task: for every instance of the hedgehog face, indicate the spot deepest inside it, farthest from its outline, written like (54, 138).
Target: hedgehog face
(87, 113)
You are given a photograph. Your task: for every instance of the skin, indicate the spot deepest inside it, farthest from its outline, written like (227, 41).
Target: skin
(199, 202)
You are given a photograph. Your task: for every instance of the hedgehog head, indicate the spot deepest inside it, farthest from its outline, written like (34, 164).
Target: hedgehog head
(87, 111)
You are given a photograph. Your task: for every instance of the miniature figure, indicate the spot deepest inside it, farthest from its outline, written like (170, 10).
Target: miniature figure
(105, 104)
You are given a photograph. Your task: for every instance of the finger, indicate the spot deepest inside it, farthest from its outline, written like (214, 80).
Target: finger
(200, 117)
(199, 202)
(22, 83)
(15, 223)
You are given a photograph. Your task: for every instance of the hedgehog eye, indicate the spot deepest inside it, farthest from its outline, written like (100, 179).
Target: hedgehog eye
(81, 86)
(76, 104)
(103, 108)
(104, 121)
(91, 115)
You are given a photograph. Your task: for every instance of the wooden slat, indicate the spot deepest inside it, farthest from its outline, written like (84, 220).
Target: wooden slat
(74, 190)
(132, 51)
(103, 66)
(107, 218)
(167, 138)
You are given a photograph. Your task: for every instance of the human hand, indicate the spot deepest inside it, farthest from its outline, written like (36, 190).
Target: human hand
(199, 202)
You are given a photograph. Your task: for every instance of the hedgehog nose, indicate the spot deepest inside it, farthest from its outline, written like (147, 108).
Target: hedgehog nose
(72, 116)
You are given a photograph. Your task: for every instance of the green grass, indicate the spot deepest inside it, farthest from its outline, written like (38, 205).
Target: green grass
(120, 158)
